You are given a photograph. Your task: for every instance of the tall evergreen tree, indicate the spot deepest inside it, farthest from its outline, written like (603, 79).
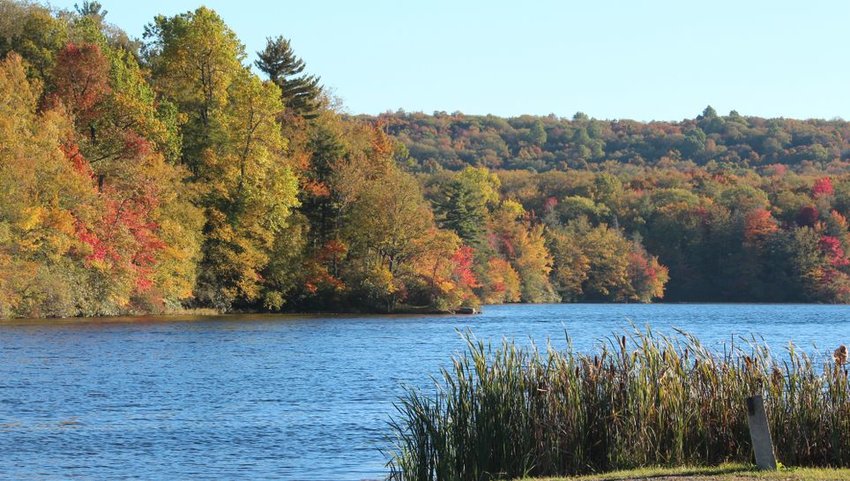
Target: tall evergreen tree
(91, 9)
(460, 209)
(300, 92)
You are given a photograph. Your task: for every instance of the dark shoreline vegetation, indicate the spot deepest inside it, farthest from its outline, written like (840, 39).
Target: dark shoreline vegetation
(641, 400)
(160, 174)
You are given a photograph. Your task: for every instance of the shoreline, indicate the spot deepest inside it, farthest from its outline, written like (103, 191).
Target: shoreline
(209, 313)
(205, 315)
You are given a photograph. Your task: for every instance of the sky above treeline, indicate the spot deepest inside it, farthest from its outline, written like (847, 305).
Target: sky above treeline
(643, 60)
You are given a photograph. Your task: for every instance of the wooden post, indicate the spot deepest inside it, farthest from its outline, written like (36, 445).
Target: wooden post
(760, 434)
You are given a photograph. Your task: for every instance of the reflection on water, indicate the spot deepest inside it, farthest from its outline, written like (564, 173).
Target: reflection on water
(284, 397)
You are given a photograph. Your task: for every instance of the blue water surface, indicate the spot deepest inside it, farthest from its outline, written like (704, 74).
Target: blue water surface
(286, 397)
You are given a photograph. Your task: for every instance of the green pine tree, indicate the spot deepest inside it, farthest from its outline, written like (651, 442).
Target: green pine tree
(301, 92)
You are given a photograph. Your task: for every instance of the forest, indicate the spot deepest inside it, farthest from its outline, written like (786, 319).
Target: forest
(178, 171)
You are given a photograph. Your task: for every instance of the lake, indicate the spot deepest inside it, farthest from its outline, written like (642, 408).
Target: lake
(285, 397)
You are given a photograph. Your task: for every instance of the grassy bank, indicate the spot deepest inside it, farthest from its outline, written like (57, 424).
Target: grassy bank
(730, 472)
(640, 400)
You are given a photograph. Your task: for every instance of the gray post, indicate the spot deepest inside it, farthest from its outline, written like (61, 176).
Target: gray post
(760, 434)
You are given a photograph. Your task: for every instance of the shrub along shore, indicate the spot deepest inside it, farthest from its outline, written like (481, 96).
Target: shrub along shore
(640, 400)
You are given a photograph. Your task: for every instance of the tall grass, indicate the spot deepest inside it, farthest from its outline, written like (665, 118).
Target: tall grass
(640, 400)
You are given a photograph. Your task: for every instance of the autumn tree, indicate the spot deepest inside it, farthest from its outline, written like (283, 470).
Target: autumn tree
(233, 145)
(523, 245)
(387, 226)
(81, 81)
(194, 58)
(44, 199)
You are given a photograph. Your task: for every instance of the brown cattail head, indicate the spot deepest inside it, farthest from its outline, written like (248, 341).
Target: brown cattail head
(840, 355)
(777, 377)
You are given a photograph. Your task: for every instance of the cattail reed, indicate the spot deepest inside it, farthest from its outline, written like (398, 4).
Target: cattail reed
(640, 400)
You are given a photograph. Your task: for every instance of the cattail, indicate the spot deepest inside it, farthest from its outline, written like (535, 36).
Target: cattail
(840, 355)
(777, 377)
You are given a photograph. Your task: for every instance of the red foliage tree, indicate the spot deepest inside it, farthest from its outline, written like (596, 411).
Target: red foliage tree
(831, 247)
(81, 79)
(73, 154)
(462, 260)
(124, 237)
(822, 186)
(808, 216)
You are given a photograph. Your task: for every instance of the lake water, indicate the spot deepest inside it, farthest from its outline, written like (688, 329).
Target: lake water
(284, 397)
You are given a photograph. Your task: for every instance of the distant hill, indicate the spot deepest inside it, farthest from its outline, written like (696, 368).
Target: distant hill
(453, 141)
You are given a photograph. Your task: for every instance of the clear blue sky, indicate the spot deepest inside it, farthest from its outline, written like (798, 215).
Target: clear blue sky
(645, 60)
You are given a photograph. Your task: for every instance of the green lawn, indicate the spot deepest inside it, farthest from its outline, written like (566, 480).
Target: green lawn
(729, 472)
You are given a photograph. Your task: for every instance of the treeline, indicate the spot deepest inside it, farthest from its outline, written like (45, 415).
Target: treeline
(453, 141)
(157, 174)
(725, 234)
(164, 173)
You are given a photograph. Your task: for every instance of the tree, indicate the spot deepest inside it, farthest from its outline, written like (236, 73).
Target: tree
(571, 266)
(599, 263)
(443, 272)
(461, 209)
(574, 206)
(251, 194)
(387, 227)
(608, 276)
(647, 277)
(759, 226)
(320, 202)
(81, 81)
(807, 216)
(36, 35)
(301, 93)
(91, 9)
(822, 187)
(233, 145)
(43, 198)
(537, 135)
(503, 283)
(463, 203)
(194, 58)
(150, 227)
(522, 244)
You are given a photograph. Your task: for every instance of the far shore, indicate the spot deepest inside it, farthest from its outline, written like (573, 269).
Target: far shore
(199, 314)
(190, 315)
